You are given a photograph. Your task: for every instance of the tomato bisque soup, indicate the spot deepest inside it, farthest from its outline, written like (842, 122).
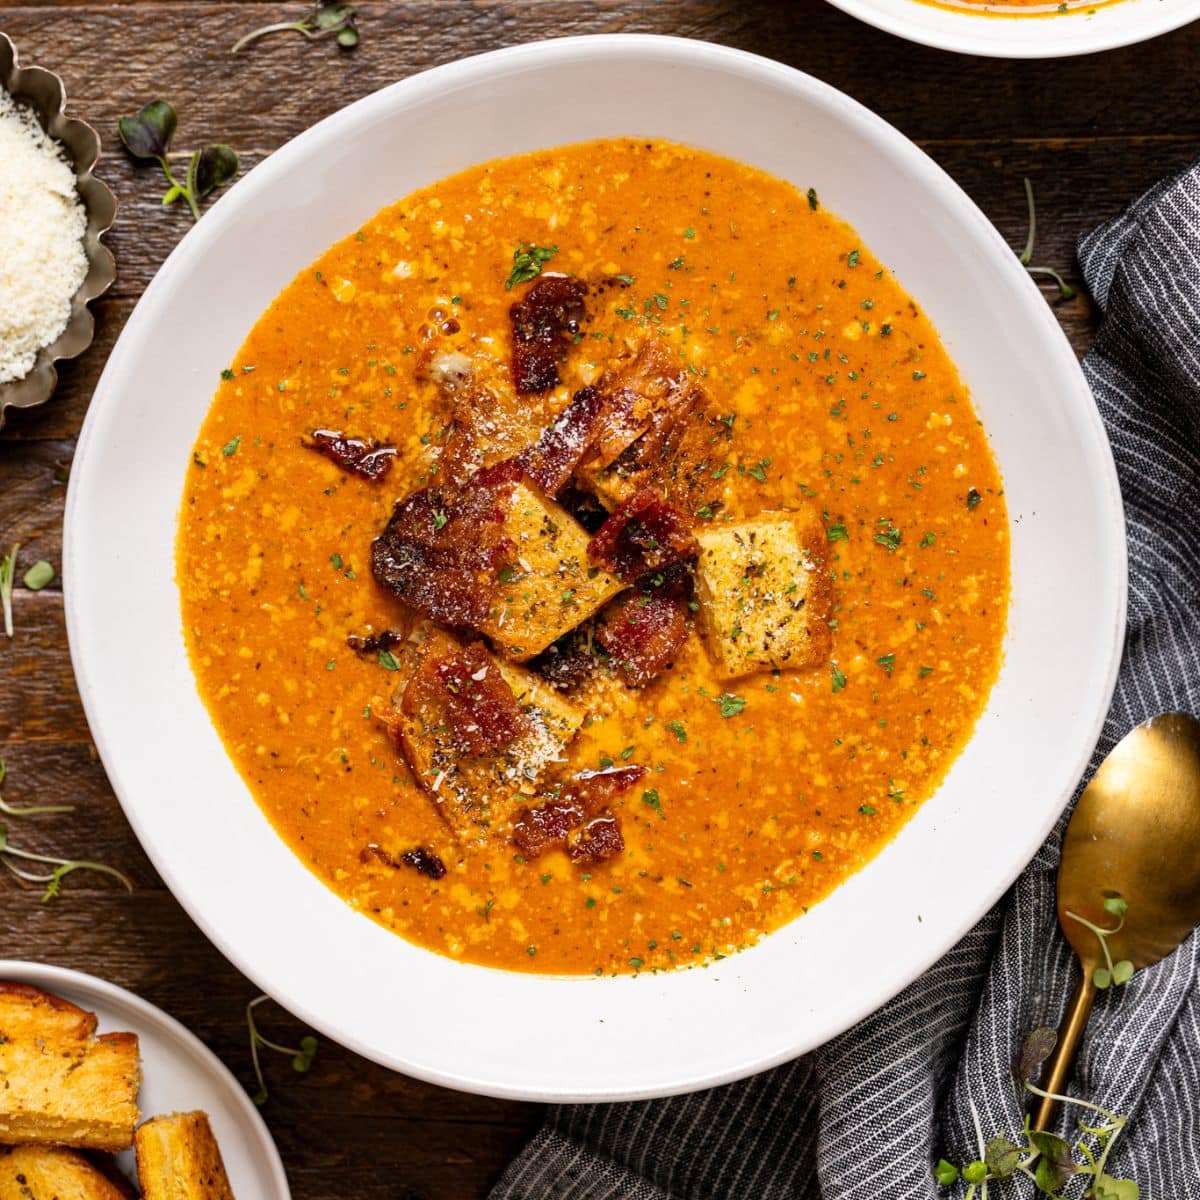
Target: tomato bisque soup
(1023, 8)
(593, 560)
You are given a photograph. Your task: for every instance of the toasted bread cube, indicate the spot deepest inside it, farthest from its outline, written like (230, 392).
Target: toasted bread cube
(550, 587)
(178, 1159)
(481, 793)
(764, 594)
(62, 1084)
(52, 1173)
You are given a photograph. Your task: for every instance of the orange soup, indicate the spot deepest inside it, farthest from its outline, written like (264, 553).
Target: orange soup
(1023, 8)
(593, 560)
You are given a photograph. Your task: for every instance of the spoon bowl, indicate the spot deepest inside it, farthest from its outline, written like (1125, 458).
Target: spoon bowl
(1135, 833)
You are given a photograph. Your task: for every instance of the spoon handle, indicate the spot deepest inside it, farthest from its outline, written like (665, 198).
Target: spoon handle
(1062, 1058)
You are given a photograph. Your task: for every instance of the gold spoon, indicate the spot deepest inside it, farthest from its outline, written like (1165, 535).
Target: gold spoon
(1136, 834)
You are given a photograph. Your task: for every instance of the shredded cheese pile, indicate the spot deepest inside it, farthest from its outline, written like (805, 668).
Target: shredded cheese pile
(42, 222)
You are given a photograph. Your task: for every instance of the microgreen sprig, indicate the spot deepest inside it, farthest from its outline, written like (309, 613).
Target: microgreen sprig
(1065, 291)
(29, 810)
(62, 867)
(8, 571)
(302, 1056)
(1045, 1158)
(147, 136)
(1112, 973)
(325, 19)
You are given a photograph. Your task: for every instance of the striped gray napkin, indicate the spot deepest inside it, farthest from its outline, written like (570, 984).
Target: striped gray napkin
(864, 1117)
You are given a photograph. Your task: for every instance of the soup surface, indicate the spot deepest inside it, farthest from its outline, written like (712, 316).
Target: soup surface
(1023, 8)
(762, 664)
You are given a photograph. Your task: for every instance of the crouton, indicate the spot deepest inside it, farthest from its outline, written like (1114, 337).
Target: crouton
(549, 587)
(63, 1084)
(527, 723)
(178, 1159)
(52, 1173)
(764, 594)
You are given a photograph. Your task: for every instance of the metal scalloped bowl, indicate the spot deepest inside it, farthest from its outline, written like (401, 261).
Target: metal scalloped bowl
(541, 1036)
(1004, 35)
(45, 94)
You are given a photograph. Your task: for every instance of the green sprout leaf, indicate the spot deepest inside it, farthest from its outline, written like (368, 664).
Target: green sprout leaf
(945, 1173)
(39, 576)
(148, 135)
(1034, 1051)
(1001, 1157)
(1055, 1164)
(975, 1172)
(1108, 1188)
(211, 168)
(1116, 906)
(325, 19)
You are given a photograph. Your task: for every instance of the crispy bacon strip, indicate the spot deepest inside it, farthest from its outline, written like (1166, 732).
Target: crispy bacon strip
(644, 534)
(579, 818)
(443, 547)
(478, 707)
(645, 399)
(642, 632)
(367, 459)
(551, 462)
(419, 858)
(365, 645)
(552, 307)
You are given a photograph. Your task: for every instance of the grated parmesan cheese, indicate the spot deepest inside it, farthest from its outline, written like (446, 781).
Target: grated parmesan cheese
(42, 222)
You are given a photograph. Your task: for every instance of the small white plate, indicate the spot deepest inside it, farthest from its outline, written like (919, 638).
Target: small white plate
(1053, 36)
(179, 1074)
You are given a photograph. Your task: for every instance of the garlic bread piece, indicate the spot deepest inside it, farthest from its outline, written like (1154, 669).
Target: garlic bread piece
(178, 1159)
(53, 1173)
(61, 1083)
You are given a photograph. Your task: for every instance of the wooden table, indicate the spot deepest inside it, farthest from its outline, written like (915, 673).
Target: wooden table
(1091, 133)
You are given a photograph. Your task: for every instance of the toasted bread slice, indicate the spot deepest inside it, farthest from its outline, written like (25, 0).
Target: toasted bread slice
(178, 1159)
(52, 1173)
(63, 1085)
(765, 597)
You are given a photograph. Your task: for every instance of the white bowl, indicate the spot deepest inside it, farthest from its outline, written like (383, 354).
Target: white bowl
(1005, 36)
(513, 1034)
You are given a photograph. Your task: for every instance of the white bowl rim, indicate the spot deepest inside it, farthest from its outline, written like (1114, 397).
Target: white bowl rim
(999, 36)
(993, 882)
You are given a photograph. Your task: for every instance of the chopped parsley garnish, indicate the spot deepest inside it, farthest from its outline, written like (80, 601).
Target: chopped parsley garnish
(890, 538)
(837, 533)
(651, 800)
(730, 704)
(676, 727)
(387, 660)
(813, 202)
(231, 447)
(973, 499)
(837, 679)
(527, 263)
